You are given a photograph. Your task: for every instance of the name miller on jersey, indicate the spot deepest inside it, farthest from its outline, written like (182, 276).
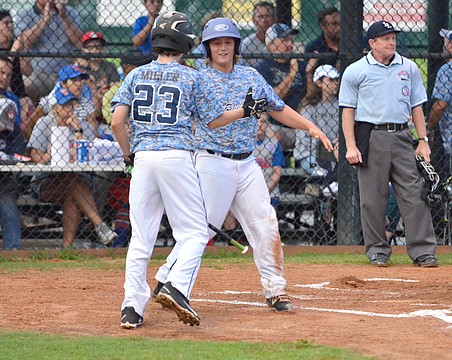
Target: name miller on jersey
(158, 75)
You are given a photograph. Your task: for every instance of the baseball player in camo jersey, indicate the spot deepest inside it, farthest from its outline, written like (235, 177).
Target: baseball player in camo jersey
(230, 176)
(159, 99)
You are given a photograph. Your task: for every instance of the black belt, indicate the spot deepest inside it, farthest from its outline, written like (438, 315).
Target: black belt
(242, 156)
(391, 127)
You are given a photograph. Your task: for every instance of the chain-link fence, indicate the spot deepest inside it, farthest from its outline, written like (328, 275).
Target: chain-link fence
(61, 63)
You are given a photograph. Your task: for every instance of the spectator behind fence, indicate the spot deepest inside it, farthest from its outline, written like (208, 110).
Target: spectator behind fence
(103, 74)
(141, 32)
(70, 190)
(322, 108)
(11, 141)
(286, 76)
(21, 66)
(264, 16)
(380, 144)
(441, 112)
(49, 26)
(128, 63)
(329, 21)
(72, 78)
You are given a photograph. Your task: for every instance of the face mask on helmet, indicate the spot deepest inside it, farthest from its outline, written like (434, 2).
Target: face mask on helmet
(220, 27)
(173, 31)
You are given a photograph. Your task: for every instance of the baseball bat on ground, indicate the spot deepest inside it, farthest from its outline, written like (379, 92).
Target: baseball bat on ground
(229, 239)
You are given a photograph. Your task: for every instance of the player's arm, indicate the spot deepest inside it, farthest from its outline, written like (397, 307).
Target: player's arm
(438, 109)
(291, 118)
(118, 125)
(353, 155)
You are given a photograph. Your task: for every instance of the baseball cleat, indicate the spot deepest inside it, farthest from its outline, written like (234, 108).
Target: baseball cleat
(172, 298)
(130, 319)
(281, 303)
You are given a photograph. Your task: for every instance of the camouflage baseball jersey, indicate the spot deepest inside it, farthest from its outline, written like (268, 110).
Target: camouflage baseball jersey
(219, 92)
(162, 105)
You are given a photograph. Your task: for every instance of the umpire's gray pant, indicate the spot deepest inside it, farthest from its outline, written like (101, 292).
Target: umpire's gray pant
(391, 158)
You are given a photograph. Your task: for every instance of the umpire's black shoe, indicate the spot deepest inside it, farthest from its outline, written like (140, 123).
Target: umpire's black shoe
(281, 303)
(426, 261)
(156, 290)
(173, 299)
(130, 319)
(380, 260)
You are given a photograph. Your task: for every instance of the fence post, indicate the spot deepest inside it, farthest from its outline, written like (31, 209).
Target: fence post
(348, 226)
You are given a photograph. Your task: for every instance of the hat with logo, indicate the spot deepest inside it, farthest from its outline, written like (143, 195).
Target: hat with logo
(8, 114)
(280, 31)
(325, 70)
(63, 95)
(380, 28)
(70, 72)
(445, 33)
(93, 35)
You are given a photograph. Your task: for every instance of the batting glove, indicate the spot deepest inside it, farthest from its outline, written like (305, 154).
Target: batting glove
(254, 107)
(128, 164)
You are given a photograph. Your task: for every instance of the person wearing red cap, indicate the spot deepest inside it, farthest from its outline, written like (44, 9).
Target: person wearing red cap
(103, 74)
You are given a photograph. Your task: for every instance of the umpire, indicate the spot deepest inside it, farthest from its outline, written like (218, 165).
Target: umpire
(379, 93)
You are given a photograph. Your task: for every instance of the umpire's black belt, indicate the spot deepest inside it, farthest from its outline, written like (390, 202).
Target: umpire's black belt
(242, 156)
(391, 127)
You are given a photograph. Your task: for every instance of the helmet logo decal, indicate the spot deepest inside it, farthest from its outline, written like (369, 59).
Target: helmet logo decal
(221, 27)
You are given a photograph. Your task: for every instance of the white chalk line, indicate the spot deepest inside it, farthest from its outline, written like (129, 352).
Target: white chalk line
(440, 314)
(443, 314)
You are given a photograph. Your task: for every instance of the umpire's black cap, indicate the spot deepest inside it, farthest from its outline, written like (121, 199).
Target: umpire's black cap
(380, 28)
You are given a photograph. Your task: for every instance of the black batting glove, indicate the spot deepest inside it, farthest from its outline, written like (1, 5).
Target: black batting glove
(128, 164)
(254, 107)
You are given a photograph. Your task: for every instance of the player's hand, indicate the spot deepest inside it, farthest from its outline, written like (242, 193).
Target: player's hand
(254, 107)
(128, 164)
(318, 134)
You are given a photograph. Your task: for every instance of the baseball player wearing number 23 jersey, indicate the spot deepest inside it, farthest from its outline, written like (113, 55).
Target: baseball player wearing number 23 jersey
(159, 99)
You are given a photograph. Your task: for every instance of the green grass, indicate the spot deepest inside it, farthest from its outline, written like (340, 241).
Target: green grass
(41, 346)
(75, 259)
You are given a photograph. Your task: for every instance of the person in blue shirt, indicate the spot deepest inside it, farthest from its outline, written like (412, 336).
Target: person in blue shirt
(141, 32)
(379, 94)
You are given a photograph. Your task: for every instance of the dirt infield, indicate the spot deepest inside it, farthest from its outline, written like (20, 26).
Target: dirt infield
(400, 312)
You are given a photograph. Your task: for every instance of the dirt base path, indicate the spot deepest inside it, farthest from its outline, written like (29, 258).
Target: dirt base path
(400, 312)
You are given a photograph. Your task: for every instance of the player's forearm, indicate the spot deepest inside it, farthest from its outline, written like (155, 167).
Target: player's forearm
(291, 118)
(226, 118)
(436, 113)
(118, 125)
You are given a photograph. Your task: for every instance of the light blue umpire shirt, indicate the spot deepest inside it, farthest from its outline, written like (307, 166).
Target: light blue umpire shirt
(382, 94)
